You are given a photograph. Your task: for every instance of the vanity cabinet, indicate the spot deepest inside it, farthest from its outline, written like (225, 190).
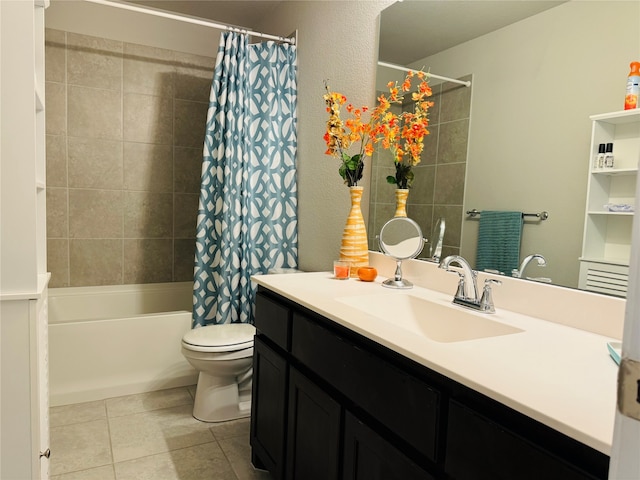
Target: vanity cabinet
(354, 409)
(606, 246)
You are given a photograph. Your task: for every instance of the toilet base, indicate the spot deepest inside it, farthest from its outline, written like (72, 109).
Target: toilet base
(221, 399)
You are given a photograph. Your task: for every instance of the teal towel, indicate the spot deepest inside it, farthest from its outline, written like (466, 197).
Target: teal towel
(499, 241)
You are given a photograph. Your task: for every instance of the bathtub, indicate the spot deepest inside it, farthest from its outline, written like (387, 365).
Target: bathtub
(117, 340)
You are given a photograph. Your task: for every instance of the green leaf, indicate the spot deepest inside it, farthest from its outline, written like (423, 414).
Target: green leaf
(391, 179)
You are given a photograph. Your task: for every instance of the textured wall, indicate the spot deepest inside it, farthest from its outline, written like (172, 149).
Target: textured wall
(125, 125)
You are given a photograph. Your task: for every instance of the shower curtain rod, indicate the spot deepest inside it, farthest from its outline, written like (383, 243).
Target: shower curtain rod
(405, 69)
(188, 19)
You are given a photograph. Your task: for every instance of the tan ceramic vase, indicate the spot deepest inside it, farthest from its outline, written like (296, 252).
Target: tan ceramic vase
(401, 202)
(354, 247)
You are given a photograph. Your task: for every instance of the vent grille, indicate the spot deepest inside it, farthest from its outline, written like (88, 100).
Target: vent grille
(603, 281)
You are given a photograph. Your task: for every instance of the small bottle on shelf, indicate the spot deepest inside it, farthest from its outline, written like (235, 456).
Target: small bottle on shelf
(598, 161)
(608, 156)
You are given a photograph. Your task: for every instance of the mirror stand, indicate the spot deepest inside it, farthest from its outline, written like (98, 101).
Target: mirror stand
(397, 281)
(400, 238)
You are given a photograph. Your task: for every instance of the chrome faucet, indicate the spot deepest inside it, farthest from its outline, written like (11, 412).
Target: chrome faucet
(467, 291)
(542, 262)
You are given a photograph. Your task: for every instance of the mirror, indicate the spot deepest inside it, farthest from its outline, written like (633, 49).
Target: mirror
(539, 70)
(400, 238)
(437, 237)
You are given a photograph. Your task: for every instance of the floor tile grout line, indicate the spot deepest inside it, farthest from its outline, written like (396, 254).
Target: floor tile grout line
(227, 458)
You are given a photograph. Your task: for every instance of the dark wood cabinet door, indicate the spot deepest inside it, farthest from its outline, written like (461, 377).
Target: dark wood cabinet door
(367, 456)
(268, 409)
(313, 442)
(481, 449)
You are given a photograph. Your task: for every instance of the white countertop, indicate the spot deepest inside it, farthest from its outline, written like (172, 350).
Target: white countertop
(556, 374)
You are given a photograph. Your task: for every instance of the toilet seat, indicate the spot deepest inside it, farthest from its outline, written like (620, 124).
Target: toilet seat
(228, 337)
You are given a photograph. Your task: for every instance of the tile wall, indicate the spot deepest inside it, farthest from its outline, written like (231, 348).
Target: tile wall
(438, 188)
(125, 127)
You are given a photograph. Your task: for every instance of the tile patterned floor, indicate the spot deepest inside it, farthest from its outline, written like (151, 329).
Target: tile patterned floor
(147, 436)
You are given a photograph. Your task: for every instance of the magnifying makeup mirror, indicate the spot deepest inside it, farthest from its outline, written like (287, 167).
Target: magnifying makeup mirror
(400, 238)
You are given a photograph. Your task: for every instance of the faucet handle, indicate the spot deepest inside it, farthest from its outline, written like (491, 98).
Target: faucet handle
(461, 284)
(486, 302)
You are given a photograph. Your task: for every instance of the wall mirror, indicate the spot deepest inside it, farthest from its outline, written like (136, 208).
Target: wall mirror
(400, 238)
(539, 70)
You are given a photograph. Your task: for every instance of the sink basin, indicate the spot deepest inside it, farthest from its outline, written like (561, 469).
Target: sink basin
(441, 323)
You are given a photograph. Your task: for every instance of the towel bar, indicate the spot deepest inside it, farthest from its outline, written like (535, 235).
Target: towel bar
(542, 215)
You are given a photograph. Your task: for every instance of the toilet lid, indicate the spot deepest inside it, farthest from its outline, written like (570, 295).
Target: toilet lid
(231, 336)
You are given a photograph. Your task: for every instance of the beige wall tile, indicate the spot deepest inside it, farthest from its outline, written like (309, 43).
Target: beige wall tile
(183, 259)
(94, 62)
(187, 169)
(112, 157)
(190, 123)
(56, 112)
(456, 101)
(94, 113)
(58, 262)
(57, 213)
(148, 167)
(453, 225)
(148, 70)
(95, 213)
(185, 215)
(56, 160)
(194, 75)
(423, 185)
(95, 262)
(55, 52)
(449, 187)
(453, 142)
(147, 215)
(95, 163)
(148, 119)
(430, 152)
(148, 260)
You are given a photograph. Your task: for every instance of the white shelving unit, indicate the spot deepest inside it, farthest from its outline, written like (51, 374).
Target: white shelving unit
(606, 245)
(24, 391)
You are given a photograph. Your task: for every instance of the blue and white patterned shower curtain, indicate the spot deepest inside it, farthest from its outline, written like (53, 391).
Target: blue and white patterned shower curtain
(247, 214)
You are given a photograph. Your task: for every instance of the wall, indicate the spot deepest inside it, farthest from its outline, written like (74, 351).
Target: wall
(125, 124)
(535, 84)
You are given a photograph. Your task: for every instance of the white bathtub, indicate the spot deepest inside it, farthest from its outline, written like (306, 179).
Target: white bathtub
(117, 340)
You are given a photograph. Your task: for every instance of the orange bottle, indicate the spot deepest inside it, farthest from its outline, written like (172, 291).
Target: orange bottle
(633, 87)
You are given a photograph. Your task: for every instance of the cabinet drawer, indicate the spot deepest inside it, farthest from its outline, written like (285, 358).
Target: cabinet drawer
(401, 402)
(274, 320)
(479, 448)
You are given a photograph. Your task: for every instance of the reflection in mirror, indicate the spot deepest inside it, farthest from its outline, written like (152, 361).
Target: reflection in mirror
(536, 80)
(437, 237)
(400, 238)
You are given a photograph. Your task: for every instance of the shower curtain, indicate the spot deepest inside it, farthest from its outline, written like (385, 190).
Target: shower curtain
(247, 213)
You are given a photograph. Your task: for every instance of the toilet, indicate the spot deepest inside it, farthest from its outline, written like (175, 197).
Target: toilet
(223, 354)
